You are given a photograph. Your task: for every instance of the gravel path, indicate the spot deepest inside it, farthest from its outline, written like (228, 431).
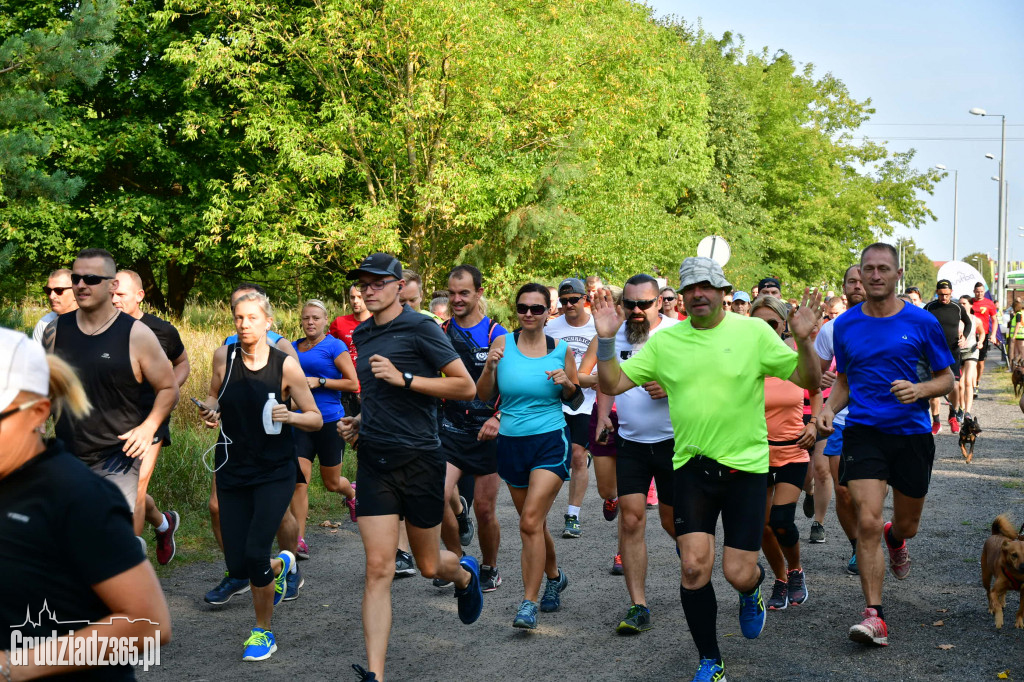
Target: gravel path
(940, 603)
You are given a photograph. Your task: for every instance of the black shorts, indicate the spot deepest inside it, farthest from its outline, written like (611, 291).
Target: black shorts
(905, 461)
(414, 491)
(638, 463)
(469, 455)
(327, 444)
(706, 489)
(983, 350)
(793, 473)
(579, 429)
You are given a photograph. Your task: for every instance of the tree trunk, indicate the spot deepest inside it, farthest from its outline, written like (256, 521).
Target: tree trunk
(179, 285)
(154, 296)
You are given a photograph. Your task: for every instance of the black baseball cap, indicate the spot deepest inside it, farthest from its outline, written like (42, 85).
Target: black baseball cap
(769, 282)
(378, 264)
(943, 284)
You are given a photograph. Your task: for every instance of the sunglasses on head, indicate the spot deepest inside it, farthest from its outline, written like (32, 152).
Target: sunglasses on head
(569, 300)
(536, 309)
(90, 280)
(642, 305)
(55, 290)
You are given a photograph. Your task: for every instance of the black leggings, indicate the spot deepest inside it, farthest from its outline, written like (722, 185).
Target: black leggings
(249, 519)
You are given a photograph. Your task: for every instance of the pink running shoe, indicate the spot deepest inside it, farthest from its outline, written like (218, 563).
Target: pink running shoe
(871, 630)
(352, 504)
(652, 496)
(899, 558)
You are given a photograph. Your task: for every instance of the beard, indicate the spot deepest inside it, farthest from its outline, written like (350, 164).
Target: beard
(637, 330)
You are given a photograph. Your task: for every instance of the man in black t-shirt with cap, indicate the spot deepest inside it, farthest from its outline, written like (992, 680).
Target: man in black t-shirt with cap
(769, 286)
(955, 324)
(405, 364)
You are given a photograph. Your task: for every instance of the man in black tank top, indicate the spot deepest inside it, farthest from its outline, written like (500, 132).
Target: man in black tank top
(128, 294)
(114, 357)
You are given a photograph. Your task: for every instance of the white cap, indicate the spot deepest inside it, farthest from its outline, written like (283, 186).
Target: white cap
(23, 367)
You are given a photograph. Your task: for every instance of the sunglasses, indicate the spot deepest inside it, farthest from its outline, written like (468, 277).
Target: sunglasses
(376, 286)
(774, 324)
(55, 290)
(90, 280)
(537, 309)
(569, 300)
(668, 299)
(15, 410)
(642, 305)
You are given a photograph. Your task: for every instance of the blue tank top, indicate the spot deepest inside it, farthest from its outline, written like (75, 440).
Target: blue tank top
(530, 402)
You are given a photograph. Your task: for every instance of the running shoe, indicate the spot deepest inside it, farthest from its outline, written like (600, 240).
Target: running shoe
(292, 584)
(809, 505)
(817, 535)
(526, 616)
(975, 393)
(797, 587)
(936, 425)
(572, 527)
(259, 646)
(780, 596)
(871, 630)
(471, 599)
(638, 619)
(710, 671)
(652, 496)
(351, 504)
(364, 674)
(617, 565)
(281, 580)
(899, 558)
(954, 424)
(752, 613)
(466, 528)
(490, 579)
(404, 566)
(302, 552)
(851, 565)
(227, 589)
(441, 582)
(960, 415)
(552, 598)
(165, 546)
(611, 509)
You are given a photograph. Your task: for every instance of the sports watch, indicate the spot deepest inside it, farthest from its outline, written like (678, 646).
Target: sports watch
(323, 382)
(408, 379)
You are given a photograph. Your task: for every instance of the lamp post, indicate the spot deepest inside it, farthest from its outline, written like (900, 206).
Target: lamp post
(956, 183)
(1002, 204)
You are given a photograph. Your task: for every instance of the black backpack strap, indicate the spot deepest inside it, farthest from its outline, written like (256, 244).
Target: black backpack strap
(552, 343)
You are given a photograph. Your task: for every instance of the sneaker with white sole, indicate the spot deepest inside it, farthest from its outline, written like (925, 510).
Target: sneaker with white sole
(871, 630)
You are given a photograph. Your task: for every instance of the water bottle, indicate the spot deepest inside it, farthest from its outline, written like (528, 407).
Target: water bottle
(271, 427)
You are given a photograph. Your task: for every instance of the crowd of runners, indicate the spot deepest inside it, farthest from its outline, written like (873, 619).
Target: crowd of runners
(829, 392)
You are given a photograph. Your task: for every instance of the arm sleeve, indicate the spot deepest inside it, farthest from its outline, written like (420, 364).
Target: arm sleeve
(435, 344)
(98, 535)
(966, 319)
(777, 359)
(338, 347)
(642, 367)
(936, 349)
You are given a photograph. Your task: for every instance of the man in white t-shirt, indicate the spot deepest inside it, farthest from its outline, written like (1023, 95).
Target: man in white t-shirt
(853, 290)
(645, 442)
(576, 327)
(61, 297)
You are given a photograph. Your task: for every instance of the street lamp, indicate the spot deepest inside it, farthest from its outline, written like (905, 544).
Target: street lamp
(956, 183)
(1002, 203)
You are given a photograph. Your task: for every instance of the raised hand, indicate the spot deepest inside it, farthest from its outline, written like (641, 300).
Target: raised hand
(606, 316)
(804, 317)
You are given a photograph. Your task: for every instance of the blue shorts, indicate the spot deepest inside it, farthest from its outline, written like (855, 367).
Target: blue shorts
(519, 455)
(834, 446)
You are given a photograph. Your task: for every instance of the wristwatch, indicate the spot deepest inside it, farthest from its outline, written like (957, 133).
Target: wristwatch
(323, 382)
(408, 379)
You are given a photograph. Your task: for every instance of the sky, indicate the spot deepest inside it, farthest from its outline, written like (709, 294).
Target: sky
(923, 65)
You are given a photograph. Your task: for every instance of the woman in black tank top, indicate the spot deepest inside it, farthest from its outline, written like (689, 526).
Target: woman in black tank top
(255, 467)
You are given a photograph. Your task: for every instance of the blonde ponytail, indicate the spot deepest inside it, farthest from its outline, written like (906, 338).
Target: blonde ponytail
(65, 389)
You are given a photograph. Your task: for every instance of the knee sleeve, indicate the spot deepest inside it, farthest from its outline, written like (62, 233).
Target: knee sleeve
(781, 519)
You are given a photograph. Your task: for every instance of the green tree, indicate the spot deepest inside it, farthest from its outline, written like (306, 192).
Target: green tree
(982, 264)
(918, 269)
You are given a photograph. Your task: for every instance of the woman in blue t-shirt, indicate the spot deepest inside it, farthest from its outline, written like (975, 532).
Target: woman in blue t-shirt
(534, 374)
(329, 371)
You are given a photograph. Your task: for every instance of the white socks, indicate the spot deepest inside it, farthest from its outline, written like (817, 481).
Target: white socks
(574, 511)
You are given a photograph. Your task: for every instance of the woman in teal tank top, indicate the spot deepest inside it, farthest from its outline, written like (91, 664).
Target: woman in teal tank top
(533, 374)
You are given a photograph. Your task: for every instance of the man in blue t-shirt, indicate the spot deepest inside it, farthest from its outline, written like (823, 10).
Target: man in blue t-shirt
(468, 428)
(890, 359)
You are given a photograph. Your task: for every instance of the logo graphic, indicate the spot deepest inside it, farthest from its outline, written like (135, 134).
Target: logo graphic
(59, 648)
(105, 356)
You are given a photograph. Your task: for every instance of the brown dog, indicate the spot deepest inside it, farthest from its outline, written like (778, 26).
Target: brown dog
(969, 431)
(1017, 377)
(1002, 569)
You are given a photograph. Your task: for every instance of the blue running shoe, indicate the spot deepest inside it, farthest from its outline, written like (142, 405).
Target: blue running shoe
(259, 646)
(752, 613)
(471, 599)
(551, 599)
(227, 589)
(526, 617)
(710, 671)
(364, 674)
(280, 581)
(851, 565)
(292, 584)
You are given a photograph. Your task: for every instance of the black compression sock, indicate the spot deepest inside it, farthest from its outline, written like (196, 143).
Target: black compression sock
(891, 541)
(701, 610)
(878, 608)
(759, 581)
(853, 544)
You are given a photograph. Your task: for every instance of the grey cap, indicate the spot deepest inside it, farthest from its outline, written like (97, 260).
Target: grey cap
(572, 285)
(699, 269)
